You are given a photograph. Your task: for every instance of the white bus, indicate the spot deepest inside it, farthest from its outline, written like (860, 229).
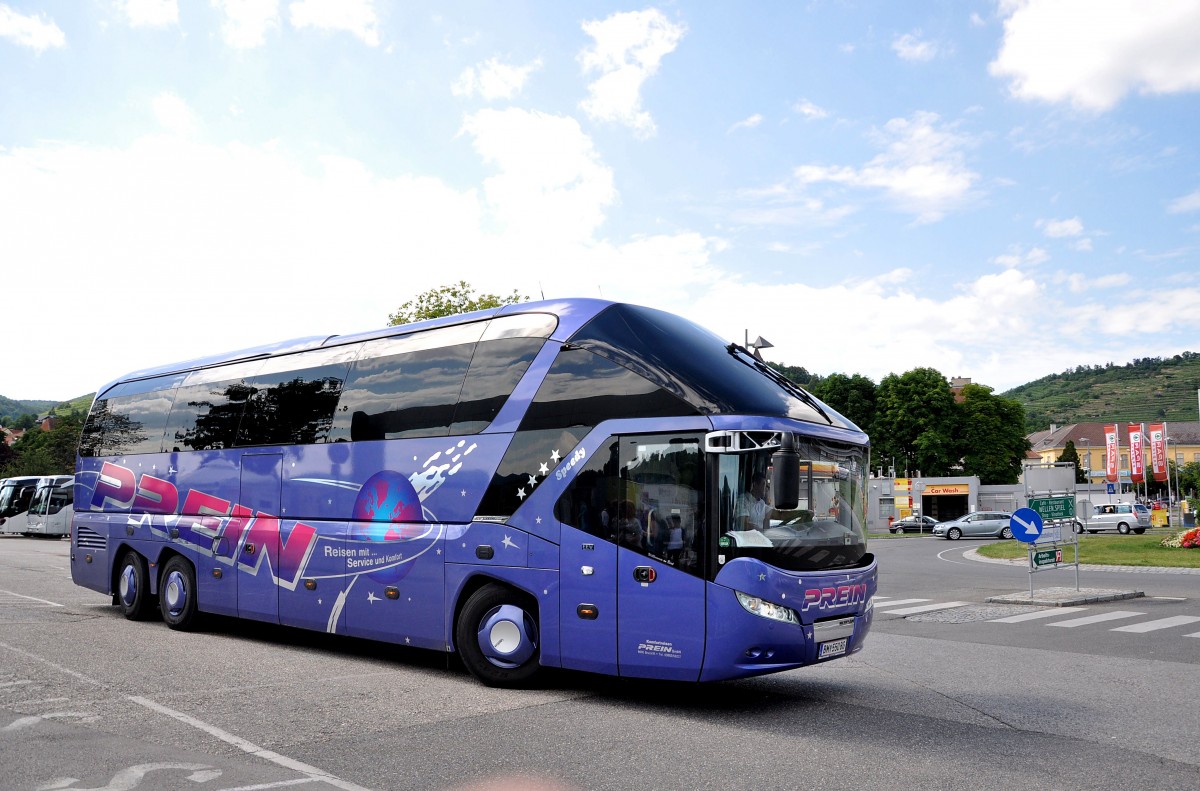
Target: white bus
(52, 507)
(15, 496)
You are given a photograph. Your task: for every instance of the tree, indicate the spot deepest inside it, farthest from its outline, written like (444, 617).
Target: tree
(1070, 454)
(916, 423)
(449, 301)
(853, 396)
(47, 452)
(992, 436)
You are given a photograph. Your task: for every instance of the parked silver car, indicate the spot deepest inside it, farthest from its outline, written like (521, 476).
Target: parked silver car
(1122, 517)
(975, 524)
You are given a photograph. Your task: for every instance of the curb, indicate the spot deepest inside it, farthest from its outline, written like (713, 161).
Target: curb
(974, 555)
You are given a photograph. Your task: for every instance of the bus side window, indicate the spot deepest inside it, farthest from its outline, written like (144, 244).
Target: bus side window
(589, 503)
(206, 416)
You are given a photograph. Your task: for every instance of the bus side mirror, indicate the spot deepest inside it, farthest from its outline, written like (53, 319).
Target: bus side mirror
(785, 474)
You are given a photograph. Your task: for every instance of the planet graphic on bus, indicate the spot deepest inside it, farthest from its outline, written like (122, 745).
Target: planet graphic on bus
(388, 512)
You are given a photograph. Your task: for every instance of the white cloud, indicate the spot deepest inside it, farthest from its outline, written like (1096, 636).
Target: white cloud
(174, 114)
(494, 80)
(911, 47)
(550, 179)
(746, 123)
(627, 51)
(922, 169)
(356, 17)
(246, 22)
(1080, 283)
(1091, 54)
(809, 110)
(150, 13)
(36, 32)
(1188, 203)
(1018, 257)
(1060, 228)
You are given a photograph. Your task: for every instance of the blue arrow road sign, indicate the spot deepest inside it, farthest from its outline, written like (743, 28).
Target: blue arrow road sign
(1026, 525)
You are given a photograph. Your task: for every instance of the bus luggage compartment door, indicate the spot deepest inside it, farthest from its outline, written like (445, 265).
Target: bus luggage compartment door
(258, 556)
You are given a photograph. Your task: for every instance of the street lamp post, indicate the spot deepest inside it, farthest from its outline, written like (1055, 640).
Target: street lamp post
(1087, 464)
(1170, 499)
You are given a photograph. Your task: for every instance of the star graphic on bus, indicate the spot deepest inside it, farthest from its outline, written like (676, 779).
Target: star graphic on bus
(508, 542)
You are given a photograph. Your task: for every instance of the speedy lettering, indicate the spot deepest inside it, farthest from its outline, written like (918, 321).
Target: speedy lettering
(115, 488)
(834, 596)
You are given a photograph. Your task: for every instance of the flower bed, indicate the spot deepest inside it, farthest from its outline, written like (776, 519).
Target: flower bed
(1188, 539)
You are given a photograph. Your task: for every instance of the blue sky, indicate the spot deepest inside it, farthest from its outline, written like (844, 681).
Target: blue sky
(999, 190)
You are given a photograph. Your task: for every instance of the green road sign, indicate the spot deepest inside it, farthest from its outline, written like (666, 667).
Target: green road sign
(1053, 507)
(1047, 557)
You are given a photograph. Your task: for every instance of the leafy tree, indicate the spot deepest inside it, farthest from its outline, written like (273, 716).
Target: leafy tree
(992, 436)
(1070, 454)
(449, 301)
(26, 421)
(47, 452)
(916, 423)
(853, 396)
(1189, 477)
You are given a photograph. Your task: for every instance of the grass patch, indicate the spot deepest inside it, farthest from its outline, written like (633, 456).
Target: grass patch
(1143, 550)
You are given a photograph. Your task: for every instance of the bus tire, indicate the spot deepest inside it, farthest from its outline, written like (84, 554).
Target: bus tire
(133, 587)
(177, 594)
(497, 636)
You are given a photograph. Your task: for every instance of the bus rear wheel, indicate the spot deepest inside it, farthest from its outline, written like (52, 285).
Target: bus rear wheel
(133, 587)
(497, 637)
(177, 594)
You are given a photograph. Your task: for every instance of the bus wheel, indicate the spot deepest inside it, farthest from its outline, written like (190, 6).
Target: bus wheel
(497, 637)
(177, 594)
(133, 587)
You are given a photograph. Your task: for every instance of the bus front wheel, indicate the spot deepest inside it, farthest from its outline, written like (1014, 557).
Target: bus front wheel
(133, 587)
(177, 594)
(497, 637)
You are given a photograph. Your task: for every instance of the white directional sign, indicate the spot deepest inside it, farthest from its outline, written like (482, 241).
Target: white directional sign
(1026, 525)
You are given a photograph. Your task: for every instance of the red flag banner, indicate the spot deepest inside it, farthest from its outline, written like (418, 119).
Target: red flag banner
(1158, 451)
(1111, 453)
(1137, 468)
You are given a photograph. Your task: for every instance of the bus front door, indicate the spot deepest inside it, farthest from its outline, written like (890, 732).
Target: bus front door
(258, 559)
(661, 621)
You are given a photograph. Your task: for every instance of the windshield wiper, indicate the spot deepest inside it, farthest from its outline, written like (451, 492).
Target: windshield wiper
(746, 357)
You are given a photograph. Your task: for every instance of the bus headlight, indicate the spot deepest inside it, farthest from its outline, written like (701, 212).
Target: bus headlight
(766, 609)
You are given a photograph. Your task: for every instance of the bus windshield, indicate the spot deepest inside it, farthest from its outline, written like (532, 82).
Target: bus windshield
(824, 531)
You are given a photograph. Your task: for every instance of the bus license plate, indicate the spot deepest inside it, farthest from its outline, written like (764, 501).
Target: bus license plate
(833, 648)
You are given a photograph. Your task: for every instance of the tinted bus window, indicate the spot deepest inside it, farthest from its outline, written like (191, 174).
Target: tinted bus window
(206, 416)
(291, 408)
(406, 386)
(293, 398)
(495, 370)
(134, 423)
(580, 391)
(93, 429)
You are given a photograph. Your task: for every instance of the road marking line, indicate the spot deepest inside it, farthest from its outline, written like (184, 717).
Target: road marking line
(32, 598)
(928, 608)
(1116, 615)
(280, 784)
(899, 602)
(57, 667)
(1162, 623)
(249, 747)
(1032, 616)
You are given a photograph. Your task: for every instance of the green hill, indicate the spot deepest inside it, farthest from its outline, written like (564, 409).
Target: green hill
(1151, 388)
(11, 409)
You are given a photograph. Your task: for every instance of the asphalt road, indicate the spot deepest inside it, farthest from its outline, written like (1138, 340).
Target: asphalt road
(948, 698)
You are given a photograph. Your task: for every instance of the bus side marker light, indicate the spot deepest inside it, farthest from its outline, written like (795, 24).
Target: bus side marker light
(485, 552)
(310, 585)
(392, 592)
(588, 612)
(87, 558)
(217, 573)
